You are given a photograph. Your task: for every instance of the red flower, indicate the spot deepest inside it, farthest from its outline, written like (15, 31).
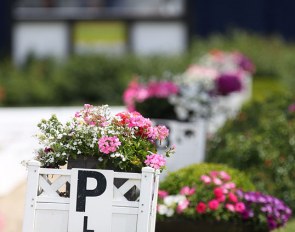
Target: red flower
(201, 207)
(213, 204)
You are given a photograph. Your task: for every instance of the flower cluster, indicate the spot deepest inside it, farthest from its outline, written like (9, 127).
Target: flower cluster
(193, 93)
(217, 198)
(126, 141)
(272, 209)
(140, 92)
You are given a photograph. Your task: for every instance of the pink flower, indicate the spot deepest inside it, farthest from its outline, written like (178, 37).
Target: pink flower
(162, 194)
(224, 176)
(240, 207)
(230, 185)
(213, 204)
(155, 161)
(221, 199)
(232, 197)
(217, 181)
(187, 191)
(218, 192)
(230, 207)
(182, 205)
(206, 179)
(291, 108)
(214, 174)
(201, 208)
(163, 132)
(107, 144)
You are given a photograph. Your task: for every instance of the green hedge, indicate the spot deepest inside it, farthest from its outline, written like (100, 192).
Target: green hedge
(100, 79)
(190, 176)
(92, 79)
(261, 142)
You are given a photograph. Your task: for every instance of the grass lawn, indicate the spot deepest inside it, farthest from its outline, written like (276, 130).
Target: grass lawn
(263, 87)
(290, 227)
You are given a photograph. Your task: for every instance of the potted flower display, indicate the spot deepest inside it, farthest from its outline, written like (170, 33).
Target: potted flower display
(113, 173)
(212, 88)
(216, 201)
(96, 139)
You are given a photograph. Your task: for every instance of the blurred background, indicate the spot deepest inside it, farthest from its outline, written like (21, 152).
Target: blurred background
(56, 55)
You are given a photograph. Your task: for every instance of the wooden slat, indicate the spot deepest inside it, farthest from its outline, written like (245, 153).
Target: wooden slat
(133, 204)
(52, 206)
(51, 171)
(124, 210)
(127, 175)
(45, 199)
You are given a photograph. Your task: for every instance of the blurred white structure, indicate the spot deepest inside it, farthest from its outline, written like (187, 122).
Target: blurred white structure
(46, 28)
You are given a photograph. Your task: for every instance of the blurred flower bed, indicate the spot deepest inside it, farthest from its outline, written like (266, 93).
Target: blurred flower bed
(210, 194)
(261, 142)
(194, 93)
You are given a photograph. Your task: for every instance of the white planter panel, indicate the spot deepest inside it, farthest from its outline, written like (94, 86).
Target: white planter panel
(189, 139)
(158, 38)
(130, 200)
(42, 39)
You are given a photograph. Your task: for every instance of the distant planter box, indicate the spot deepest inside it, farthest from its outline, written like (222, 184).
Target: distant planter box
(189, 139)
(99, 200)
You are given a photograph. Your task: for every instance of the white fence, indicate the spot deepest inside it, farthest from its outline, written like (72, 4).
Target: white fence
(47, 209)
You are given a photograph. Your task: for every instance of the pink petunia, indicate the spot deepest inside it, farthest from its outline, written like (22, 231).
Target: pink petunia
(206, 179)
(162, 194)
(240, 207)
(182, 205)
(213, 204)
(230, 207)
(108, 145)
(218, 192)
(186, 190)
(224, 176)
(201, 207)
(217, 181)
(232, 197)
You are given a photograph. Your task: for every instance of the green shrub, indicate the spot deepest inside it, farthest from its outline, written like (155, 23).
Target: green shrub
(190, 176)
(261, 142)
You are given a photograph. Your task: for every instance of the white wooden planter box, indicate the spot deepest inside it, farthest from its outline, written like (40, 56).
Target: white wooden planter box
(189, 139)
(47, 211)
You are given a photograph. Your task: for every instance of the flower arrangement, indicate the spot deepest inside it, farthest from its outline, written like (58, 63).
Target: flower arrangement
(124, 142)
(218, 199)
(194, 93)
(227, 61)
(154, 94)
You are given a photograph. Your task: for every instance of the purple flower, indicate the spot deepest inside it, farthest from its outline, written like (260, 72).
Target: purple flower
(228, 83)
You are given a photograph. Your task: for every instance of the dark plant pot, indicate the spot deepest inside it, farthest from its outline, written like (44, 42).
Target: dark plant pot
(87, 162)
(203, 226)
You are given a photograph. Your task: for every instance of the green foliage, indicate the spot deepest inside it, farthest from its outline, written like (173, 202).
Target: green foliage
(261, 142)
(190, 176)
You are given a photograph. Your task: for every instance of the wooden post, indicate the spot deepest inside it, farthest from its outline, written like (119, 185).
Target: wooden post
(145, 202)
(31, 194)
(155, 202)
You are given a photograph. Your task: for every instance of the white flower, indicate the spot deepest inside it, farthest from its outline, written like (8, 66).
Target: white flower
(162, 209)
